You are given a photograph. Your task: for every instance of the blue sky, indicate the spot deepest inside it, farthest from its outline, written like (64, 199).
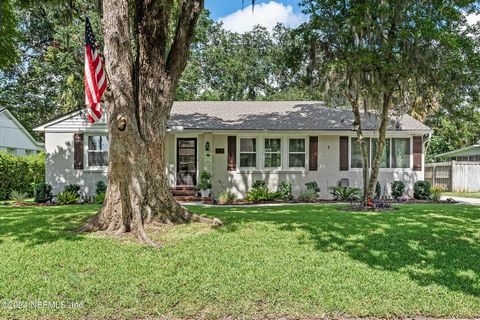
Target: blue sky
(221, 8)
(267, 13)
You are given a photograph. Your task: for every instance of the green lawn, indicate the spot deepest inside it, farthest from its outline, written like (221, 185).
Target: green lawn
(266, 262)
(462, 194)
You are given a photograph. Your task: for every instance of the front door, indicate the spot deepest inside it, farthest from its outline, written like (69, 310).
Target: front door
(186, 161)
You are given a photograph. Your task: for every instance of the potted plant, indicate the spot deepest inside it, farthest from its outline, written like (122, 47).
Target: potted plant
(205, 183)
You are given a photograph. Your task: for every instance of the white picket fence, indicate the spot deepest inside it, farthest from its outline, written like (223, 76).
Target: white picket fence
(454, 176)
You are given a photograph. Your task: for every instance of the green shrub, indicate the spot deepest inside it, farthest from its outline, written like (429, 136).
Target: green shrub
(42, 192)
(18, 197)
(205, 180)
(259, 184)
(20, 173)
(67, 197)
(378, 190)
(313, 185)
(284, 190)
(346, 194)
(100, 187)
(73, 188)
(398, 188)
(307, 195)
(260, 194)
(421, 190)
(99, 198)
(226, 197)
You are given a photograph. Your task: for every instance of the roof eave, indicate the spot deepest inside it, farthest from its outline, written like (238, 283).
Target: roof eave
(446, 154)
(22, 128)
(42, 127)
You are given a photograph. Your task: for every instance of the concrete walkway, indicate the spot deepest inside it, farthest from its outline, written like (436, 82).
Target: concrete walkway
(472, 201)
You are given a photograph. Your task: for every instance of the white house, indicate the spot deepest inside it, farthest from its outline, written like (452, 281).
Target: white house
(240, 142)
(14, 138)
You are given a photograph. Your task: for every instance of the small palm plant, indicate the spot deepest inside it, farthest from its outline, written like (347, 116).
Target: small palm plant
(346, 194)
(67, 197)
(18, 197)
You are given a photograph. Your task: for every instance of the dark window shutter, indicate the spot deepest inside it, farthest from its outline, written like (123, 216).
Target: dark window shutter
(78, 151)
(343, 153)
(313, 154)
(232, 153)
(417, 153)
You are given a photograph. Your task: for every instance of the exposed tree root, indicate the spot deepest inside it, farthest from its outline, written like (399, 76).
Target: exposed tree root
(116, 227)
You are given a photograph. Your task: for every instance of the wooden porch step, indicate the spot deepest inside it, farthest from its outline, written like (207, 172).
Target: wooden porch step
(188, 198)
(184, 191)
(183, 188)
(180, 193)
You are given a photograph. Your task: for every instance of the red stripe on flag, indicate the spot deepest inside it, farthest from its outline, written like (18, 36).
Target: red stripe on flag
(92, 68)
(95, 80)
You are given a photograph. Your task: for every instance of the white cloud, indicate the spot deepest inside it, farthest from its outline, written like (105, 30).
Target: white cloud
(264, 14)
(473, 18)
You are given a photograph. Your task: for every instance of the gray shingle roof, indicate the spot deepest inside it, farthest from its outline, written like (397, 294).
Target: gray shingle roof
(276, 115)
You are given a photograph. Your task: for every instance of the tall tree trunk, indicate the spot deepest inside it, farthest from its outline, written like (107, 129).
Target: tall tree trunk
(377, 157)
(354, 97)
(139, 101)
(363, 147)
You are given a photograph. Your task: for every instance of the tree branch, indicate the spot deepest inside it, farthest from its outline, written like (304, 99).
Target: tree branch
(177, 57)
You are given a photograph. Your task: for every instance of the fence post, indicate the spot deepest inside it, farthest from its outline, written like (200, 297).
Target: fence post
(451, 175)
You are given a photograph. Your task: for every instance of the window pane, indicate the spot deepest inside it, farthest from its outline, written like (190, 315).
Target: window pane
(385, 162)
(297, 145)
(273, 160)
(98, 159)
(98, 151)
(186, 143)
(248, 145)
(248, 160)
(356, 156)
(401, 152)
(296, 160)
(98, 143)
(272, 145)
(186, 152)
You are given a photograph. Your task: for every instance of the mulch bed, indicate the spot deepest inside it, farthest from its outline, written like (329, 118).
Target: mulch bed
(389, 201)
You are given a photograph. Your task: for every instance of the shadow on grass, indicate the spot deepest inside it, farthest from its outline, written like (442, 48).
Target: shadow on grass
(39, 225)
(432, 244)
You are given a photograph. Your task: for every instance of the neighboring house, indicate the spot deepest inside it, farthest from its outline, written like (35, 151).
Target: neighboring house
(240, 142)
(470, 153)
(14, 138)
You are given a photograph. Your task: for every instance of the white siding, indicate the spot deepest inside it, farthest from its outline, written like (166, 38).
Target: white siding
(59, 165)
(12, 136)
(328, 173)
(59, 171)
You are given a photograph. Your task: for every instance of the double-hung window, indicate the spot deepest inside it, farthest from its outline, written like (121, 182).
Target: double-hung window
(97, 151)
(385, 162)
(273, 153)
(248, 152)
(401, 152)
(356, 154)
(396, 153)
(296, 153)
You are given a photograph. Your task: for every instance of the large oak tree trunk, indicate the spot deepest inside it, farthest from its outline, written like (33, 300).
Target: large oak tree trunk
(139, 99)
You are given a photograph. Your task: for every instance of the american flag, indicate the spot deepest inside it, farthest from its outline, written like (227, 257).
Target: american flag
(95, 78)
